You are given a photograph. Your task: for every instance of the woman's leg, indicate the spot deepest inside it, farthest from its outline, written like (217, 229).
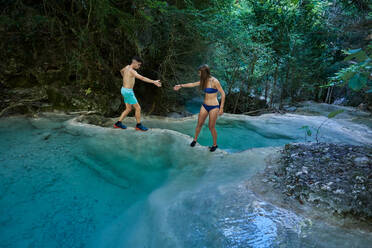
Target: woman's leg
(128, 108)
(213, 114)
(201, 119)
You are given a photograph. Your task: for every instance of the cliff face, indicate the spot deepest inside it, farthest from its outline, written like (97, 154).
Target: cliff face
(67, 56)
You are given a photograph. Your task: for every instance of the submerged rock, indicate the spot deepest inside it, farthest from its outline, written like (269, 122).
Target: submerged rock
(96, 119)
(332, 177)
(180, 114)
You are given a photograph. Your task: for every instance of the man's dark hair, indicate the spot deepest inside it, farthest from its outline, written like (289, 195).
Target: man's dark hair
(138, 59)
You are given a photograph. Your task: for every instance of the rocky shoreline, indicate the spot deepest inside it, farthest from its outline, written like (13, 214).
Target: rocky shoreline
(335, 179)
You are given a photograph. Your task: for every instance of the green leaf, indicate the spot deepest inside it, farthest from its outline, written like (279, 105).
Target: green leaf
(359, 56)
(307, 130)
(347, 75)
(357, 82)
(88, 91)
(327, 85)
(334, 113)
(353, 51)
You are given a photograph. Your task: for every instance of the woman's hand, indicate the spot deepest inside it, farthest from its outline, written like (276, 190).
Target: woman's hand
(221, 111)
(177, 87)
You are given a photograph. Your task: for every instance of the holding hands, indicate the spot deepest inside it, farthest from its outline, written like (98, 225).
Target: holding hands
(177, 87)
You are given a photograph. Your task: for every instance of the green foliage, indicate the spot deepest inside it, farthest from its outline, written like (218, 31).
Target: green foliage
(330, 116)
(357, 54)
(307, 131)
(277, 50)
(357, 82)
(356, 75)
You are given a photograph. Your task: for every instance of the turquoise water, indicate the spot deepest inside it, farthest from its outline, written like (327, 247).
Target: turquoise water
(193, 105)
(66, 184)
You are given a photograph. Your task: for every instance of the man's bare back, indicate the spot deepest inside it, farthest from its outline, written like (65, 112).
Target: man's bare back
(128, 77)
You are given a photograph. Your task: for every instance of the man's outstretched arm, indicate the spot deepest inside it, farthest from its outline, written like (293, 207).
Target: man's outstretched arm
(145, 79)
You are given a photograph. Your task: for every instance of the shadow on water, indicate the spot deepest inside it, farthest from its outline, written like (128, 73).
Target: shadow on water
(124, 163)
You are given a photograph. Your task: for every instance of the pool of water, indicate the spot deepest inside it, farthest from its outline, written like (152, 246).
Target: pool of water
(68, 184)
(193, 105)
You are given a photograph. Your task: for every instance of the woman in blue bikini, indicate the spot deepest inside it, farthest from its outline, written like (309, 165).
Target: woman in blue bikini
(211, 86)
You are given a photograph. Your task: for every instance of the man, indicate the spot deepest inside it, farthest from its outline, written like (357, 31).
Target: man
(129, 74)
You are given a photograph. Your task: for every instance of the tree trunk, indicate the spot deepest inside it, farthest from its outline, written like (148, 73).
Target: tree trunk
(249, 81)
(293, 90)
(266, 87)
(330, 96)
(319, 95)
(236, 101)
(232, 80)
(284, 84)
(254, 60)
(274, 86)
(328, 93)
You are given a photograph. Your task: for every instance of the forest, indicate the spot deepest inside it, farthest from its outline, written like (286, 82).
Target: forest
(267, 54)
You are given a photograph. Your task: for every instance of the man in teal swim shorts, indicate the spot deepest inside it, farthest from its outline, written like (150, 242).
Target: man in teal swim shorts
(129, 75)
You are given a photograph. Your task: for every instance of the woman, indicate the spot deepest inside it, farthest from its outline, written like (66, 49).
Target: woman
(211, 86)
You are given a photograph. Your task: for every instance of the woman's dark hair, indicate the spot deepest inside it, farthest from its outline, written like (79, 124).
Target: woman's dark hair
(138, 59)
(205, 74)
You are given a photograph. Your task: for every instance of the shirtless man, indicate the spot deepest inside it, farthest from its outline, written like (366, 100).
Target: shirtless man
(129, 74)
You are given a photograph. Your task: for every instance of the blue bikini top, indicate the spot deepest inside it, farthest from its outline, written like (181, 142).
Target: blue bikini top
(210, 90)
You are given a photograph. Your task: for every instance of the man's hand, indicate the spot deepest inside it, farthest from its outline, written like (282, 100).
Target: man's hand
(177, 87)
(157, 83)
(221, 111)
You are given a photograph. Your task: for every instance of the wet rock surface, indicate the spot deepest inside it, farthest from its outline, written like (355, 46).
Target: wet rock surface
(96, 119)
(15, 101)
(332, 177)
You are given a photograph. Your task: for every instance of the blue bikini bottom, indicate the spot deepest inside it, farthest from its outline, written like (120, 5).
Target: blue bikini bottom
(209, 107)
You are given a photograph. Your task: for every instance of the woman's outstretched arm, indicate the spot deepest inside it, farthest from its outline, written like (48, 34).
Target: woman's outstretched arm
(189, 85)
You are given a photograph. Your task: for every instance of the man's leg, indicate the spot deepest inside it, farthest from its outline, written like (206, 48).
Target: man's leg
(137, 108)
(127, 110)
(139, 125)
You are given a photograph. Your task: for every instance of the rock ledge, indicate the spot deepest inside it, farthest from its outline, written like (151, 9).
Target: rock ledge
(332, 177)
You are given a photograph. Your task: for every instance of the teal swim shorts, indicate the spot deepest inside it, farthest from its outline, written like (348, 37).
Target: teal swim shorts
(128, 95)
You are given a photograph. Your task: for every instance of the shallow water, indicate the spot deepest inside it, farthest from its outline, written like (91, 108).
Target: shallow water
(67, 184)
